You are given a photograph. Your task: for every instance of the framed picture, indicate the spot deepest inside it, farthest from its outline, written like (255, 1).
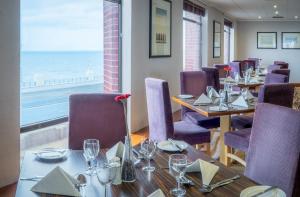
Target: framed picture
(160, 28)
(267, 40)
(290, 40)
(216, 39)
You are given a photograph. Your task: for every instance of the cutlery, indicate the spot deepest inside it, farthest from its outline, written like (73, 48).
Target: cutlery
(187, 181)
(35, 178)
(210, 188)
(265, 191)
(139, 155)
(49, 150)
(81, 183)
(176, 145)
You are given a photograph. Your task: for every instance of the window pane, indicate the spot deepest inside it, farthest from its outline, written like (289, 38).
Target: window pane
(62, 53)
(191, 41)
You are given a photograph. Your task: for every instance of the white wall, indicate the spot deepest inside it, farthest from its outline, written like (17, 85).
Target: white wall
(246, 44)
(9, 88)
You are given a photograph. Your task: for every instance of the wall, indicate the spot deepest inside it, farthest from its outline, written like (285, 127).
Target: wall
(9, 87)
(247, 32)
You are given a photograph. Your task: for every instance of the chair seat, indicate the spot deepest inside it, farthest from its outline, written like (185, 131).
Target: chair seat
(203, 121)
(238, 139)
(241, 122)
(191, 133)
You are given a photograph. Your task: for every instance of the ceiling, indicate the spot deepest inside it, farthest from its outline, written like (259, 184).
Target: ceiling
(252, 9)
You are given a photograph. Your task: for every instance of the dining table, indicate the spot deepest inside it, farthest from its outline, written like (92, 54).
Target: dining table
(225, 117)
(254, 85)
(146, 182)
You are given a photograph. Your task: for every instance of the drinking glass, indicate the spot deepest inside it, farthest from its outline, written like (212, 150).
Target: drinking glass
(91, 149)
(208, 91)
(106, 173)
(148, 147)
(244, 92)
(177, 167)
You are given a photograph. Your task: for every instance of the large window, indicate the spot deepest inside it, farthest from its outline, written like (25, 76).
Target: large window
(192, 28)
(67, 47)
(228, 41)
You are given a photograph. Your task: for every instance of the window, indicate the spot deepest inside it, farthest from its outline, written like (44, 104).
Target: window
(192, 14)
(228, 41)
(67, 47)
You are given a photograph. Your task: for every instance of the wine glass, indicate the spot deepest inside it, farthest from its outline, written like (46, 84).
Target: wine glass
(148, 147)
(91, 149)
(177, 167)
(208, 91)
(106, 173)
(244, 92)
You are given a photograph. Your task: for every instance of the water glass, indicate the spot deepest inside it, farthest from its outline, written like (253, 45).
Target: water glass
(177, 167)
(106, 173)
(91, 148)
(244, 92)
(148, 148)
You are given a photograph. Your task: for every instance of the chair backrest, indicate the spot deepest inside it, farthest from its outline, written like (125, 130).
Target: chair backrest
(235, 68)
(96, 116)
(212, 77)
(283, 65)
(256, 60)
(273, 154)
(285, 72)
(272, 78)
(220, 68)
(159, 109)
(246, 64)
(273, 67)
(277, 94)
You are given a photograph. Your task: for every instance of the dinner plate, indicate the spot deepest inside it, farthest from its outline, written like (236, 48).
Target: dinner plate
(50, 154)
(168, 146)
(185, 96)
(251, 191)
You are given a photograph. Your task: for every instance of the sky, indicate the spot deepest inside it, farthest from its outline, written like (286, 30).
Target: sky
(61, 25)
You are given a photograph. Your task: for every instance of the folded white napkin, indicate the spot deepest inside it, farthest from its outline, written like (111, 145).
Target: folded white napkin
(241, 102)
(157, 193)
(214, 93)
(229, 79)
(203, 99)
(208, 170)
(57, 182)
(249, 95)
(115, 151)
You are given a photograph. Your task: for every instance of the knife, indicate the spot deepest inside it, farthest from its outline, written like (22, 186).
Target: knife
(265, 191)
(176, 145)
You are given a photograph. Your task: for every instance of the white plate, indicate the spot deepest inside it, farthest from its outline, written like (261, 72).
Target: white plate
(168, 146)
(185, 96)
(251, 191)
(51, 154)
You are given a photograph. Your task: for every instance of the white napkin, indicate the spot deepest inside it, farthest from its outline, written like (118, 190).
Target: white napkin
(115, 151)
(229, 79)
(214, 93)
(57, 182)
(249, 95)
(157, 193)
(208, 170)
(241, 102)
(203, 99)
(253, 80)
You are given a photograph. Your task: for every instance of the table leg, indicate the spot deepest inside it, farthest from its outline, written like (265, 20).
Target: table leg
(225, 127)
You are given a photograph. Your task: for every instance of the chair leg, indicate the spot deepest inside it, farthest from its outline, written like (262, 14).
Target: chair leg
(207, 145)
(198, 146)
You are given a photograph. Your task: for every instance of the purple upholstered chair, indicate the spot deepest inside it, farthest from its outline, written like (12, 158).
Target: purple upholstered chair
(194, 83)
(274, 149)
(275, 78)
(96, 116)
(277, 94)
(283, 65)
(256, 60)
(212, 77)
(285, 72)
(235, 68)
(160, 118)
(273, 67)
(246, 64)
(220, 68)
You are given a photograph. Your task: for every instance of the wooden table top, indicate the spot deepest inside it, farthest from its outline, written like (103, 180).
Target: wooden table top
(146, 182)
(204, 110)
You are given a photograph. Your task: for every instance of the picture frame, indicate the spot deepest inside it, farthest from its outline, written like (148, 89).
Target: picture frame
(216, 39)
(266, 40)
(290, 40)
(160, 34)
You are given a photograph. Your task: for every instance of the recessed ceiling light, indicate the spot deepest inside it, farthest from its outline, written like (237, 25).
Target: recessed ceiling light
(259, 17)
(276, 12)
(275, 6)
(296, 17)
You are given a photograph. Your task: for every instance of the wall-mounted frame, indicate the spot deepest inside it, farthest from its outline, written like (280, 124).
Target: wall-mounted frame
(267, 40)
(290, 40)
(160, 36)
(216, 39)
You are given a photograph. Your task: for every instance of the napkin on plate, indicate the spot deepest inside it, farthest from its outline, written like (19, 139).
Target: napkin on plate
(57, 182)
(115, 151)
(241, 102)
(214, 93)
(203, 99)
(157, 193)
(208, 170)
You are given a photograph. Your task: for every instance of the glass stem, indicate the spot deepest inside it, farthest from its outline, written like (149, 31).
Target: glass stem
(178, 183)
(149, 163)
(105, 193)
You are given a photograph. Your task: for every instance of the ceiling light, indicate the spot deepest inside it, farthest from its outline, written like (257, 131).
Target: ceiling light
(276, 12)
(296, 17)
(259, 17)
(274, 6)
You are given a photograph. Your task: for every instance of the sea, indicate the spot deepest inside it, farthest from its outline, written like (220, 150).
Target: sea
(48, 78)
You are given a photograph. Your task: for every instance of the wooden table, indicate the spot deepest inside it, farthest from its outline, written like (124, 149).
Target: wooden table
(225, 118)
(146, 182)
